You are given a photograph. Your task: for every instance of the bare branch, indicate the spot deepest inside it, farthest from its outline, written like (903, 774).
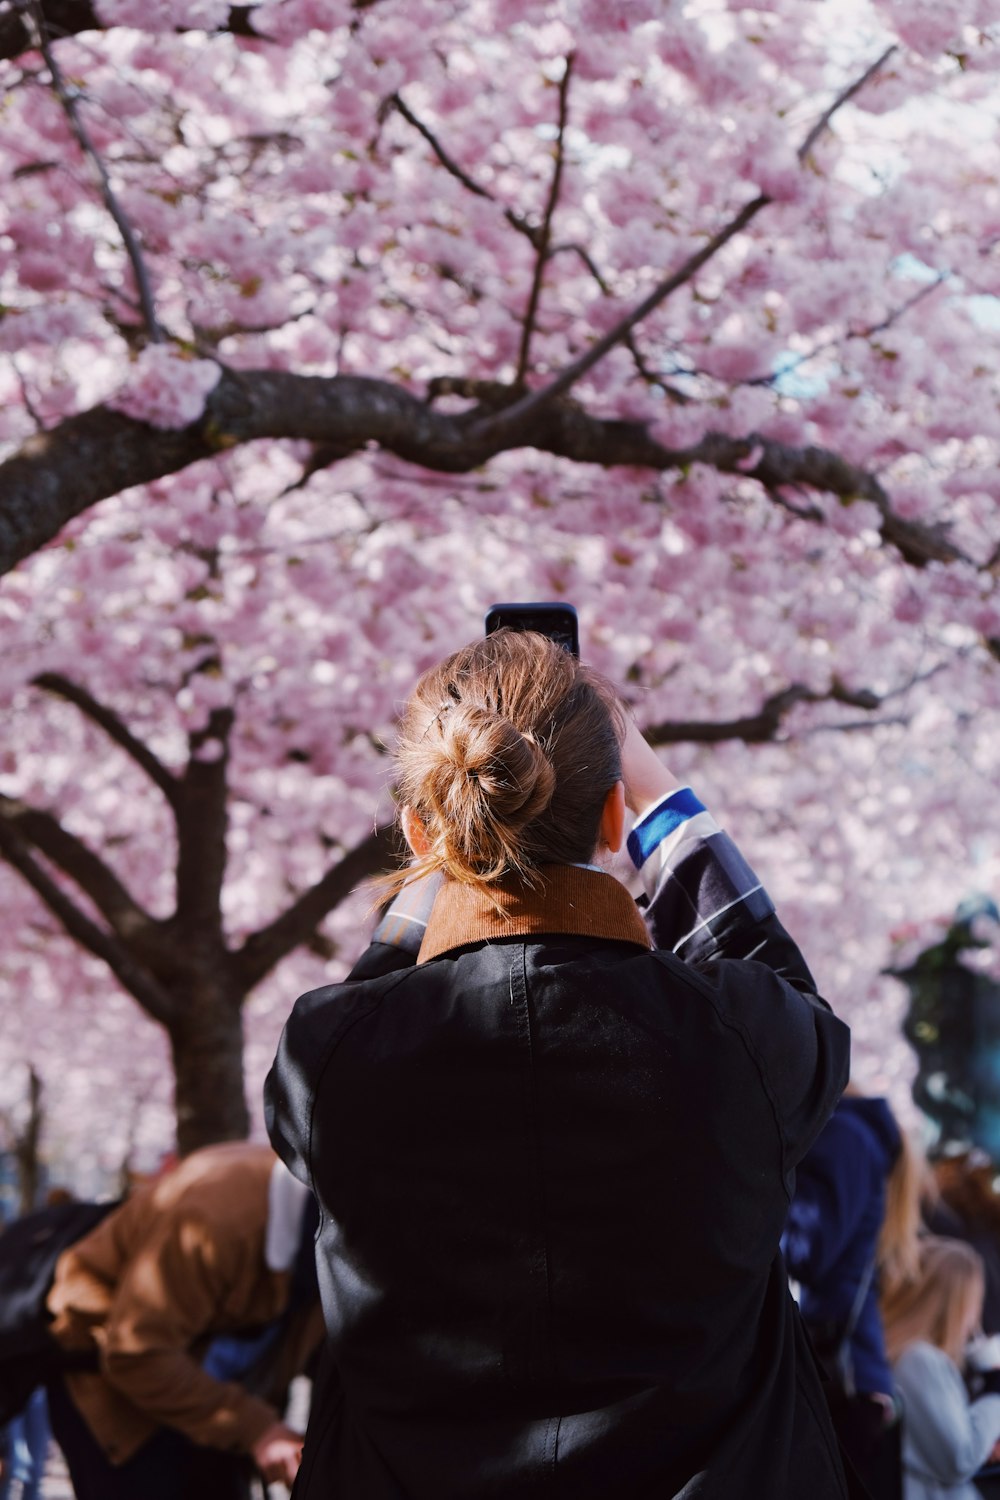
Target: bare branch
(398, 103)
(823, 123)
(889, 321)
(45, 833)
(263, 949)
(648, 375)
(572, 373)
(114, 728)
(764, 725)
(26, 396)
(545, 229)
(70, 17)
(856, 726)
(494, 427)
(69, 99)
(16, 850)
(58, 474)
(801, 512)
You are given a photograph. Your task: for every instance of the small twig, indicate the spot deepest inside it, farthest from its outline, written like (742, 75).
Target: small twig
(398, 103)
(69, 99)
(516, 414)
(853, 726)
(887, 322)
(801, 512)
(823, 123)
(649, 376)
(765, 724)
(114, 727)
(545, 230)
(29, 404)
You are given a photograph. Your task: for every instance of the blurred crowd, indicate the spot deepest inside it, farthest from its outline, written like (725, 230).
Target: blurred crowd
(163, 1339)
(896, 1265)
(156, 1339)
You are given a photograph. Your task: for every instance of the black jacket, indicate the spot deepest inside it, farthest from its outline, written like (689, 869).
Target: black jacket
(554, 1166)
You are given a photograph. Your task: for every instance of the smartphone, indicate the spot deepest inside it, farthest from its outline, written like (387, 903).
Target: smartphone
(558, 621)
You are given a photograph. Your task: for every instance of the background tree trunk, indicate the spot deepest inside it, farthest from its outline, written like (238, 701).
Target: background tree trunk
(207, 1046)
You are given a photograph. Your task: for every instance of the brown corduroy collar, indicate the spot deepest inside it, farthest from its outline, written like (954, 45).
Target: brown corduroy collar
(568, 899)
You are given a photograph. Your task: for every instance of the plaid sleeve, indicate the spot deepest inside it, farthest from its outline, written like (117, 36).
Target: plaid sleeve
(404, 923)
(700, 888)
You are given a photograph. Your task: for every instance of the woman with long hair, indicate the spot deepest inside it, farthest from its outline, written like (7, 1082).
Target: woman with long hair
(831, 1249)
(929, 1321)
(853, 1227)
(552, 1138)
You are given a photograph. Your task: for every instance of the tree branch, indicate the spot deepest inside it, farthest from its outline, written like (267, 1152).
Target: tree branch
(265, 948)
(16, 850)
(645, 373)
(398, 103)
(764, 725)
(545, 230)
(890, 320)
(59, 473)
(823, 123)
(494, 428)
(69, 99)
(42, 830)
(572, 373)
(114, 728)
(70, 17)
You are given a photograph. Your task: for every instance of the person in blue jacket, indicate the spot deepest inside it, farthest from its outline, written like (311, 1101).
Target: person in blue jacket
(831, 1249)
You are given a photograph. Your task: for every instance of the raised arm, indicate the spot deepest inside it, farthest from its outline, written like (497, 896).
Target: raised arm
(705, 901)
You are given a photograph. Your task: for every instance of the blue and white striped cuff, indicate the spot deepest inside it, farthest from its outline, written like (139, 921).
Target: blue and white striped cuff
(662, 819)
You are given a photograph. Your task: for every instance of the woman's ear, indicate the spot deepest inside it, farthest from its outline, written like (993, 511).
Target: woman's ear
(613, 818)
(414, 832)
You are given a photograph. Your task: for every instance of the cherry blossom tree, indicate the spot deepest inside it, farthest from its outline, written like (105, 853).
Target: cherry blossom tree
(326, 324)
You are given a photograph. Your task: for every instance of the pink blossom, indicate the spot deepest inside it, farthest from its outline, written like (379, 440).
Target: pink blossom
(928, 26)
(292, 220)
(736, 361)
(598, 16)
(285, 20)
(40, 271)
(51, 322)
(164, 15)
(165, 389)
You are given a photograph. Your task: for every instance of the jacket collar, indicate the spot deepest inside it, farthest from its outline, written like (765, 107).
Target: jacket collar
(568, 899)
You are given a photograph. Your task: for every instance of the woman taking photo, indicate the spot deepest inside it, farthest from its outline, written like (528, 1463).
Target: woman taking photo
(553, 1138)
(929, 1322)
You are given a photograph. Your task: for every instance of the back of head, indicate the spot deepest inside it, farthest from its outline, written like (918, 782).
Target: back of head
(940, 1304)
(506, 753)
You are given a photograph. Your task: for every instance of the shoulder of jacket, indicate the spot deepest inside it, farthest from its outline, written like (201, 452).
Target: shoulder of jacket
(715, 984)
(321, 1018)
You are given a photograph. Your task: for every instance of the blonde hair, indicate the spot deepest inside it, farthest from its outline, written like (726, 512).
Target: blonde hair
(941, 1304)
(506, 753)
(899, 1237)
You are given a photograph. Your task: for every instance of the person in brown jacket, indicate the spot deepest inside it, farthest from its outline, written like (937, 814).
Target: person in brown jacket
(204, 1251)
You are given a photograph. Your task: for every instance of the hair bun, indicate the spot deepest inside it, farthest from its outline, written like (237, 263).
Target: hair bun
(505, 754)
(500, 766)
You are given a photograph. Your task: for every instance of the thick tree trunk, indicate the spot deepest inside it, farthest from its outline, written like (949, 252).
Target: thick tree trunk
(207, 1047)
